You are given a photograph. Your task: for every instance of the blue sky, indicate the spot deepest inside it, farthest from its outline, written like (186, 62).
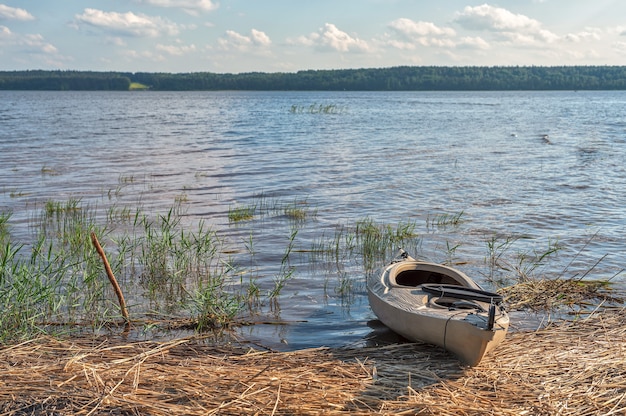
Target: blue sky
(291, 35)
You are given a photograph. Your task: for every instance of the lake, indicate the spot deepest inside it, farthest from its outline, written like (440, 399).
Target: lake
(525, 171)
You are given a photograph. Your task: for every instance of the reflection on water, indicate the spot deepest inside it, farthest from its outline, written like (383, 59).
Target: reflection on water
(388, 157)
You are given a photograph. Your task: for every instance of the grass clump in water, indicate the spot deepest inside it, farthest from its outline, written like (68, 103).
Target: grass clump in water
(297, 210)
(444, 220)
(241, 213)
(317, 109)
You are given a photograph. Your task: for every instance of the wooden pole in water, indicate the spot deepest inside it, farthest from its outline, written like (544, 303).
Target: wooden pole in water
(116, 287)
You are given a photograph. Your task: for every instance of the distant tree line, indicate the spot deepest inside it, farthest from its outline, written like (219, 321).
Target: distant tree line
(403, 78)
(64, 80)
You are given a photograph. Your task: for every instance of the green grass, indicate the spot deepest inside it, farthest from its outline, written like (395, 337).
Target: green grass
(169, 266)
(317, 109)
(136, 86)
(241, 213)
(263, 206)
(444, 220)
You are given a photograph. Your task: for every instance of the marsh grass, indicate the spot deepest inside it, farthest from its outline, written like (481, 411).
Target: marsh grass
(241, 213)
(164, 266)
(298, 210)
(376, 242)
(317, 109)
(286, 272)
(444, 220)
(554, 294)
(46, 170)
(58, 279)
(526, 286)
(373, 243)
(4, 223)
(167, 266)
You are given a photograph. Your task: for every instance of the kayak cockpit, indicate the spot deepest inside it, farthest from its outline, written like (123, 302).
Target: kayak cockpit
(411, 274)
(414, 278)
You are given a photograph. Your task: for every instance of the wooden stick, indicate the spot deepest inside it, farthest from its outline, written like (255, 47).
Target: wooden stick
(116, 286)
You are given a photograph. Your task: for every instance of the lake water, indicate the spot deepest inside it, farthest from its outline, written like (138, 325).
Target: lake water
(538, 167)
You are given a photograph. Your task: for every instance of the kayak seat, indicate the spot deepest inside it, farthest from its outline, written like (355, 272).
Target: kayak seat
(454, 304)
(462, 293)
(414, 278)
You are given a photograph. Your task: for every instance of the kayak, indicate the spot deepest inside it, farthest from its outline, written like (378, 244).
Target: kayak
(438, 305)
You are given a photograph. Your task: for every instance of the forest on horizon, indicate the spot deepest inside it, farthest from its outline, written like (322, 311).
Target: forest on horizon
(404, 78)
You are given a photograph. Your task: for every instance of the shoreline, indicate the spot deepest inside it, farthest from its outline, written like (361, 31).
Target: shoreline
(569, 368)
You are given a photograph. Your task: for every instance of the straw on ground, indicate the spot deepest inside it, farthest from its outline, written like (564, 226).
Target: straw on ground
(570, 368)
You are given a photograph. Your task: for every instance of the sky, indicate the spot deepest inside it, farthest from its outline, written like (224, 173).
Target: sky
(234, 36)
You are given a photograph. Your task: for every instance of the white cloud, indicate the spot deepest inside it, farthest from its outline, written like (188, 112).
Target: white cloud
(37, 43)
(516, 28)
(30, 49)
(259, 38)
(330, 37)
(116, 41)
(176, 50)
(127, 24)
(12, 13)
(190, 6)
(473, 43)
(619, 46)
(412, 34)
(486, 17)
(143, 55)
(410, 29)
(232, 40)
(29, 43)
(5, 32)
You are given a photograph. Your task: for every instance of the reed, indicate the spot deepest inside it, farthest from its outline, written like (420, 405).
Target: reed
(241, 213)
(317, 109)
(61, 282)
(376, 242)
(262, 206)
(167, 266)
(46, 170)
(444, 220)
(212, 306)
(286, 272)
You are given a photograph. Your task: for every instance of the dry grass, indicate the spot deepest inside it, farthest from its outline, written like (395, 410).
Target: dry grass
(549, 294)
(573, 368)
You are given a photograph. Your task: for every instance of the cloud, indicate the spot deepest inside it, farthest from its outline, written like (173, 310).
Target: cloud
(410, 29)
(330, 37)
(259, 38)
(176, 50)
(473, 43)
(12, 13)
(232, 40)
(38, 43)
(487, 17)
(126, 24)
(408, 35)
(619, 47)
(190, 6)
(143, 55)
(29, 50)
(516, 28)
(29, 43)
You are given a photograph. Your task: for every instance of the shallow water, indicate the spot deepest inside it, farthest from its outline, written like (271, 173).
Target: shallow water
(538, 166)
